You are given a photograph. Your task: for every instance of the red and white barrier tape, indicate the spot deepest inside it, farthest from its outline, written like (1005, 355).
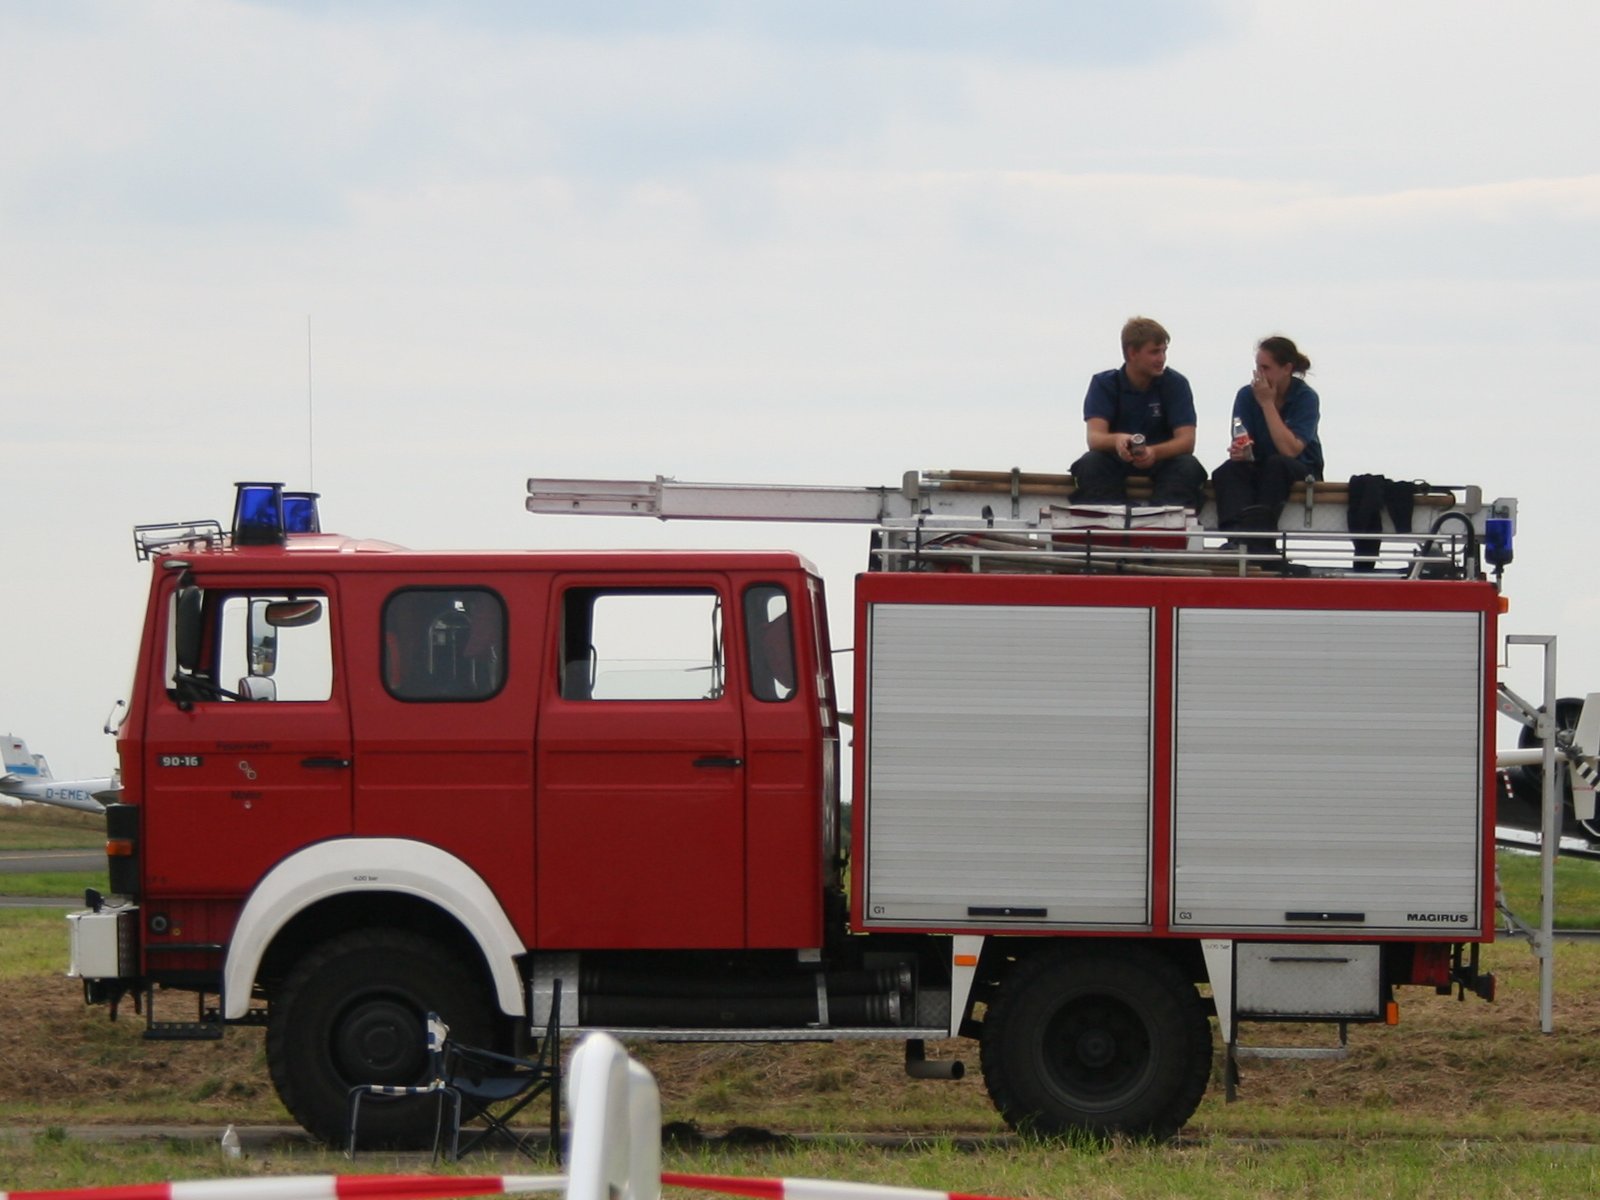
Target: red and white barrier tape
(808, 1189)
(312, 1187)
(434, 1187)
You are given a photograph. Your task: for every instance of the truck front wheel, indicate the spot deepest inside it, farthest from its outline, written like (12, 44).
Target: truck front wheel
(1097, 1041)
(354, 1011)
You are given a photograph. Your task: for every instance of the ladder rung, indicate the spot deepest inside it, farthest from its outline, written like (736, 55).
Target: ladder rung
(1290, 1051)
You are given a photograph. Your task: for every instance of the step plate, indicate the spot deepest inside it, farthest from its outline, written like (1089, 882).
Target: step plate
(1291, 1052)
(184, 1031)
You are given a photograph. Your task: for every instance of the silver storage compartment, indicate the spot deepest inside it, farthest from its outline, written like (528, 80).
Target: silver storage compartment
(1328, 771)
(1306, 980)
(1008, 778)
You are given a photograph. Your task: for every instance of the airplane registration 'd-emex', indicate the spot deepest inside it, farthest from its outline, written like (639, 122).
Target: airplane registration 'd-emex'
(27, 777)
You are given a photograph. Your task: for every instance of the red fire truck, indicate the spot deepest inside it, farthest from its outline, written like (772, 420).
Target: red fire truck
(1109, 783)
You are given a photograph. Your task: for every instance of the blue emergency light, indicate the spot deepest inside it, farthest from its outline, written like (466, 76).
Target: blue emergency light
(263, 513)
(1497, 541)
(300, 513)
(258, 514)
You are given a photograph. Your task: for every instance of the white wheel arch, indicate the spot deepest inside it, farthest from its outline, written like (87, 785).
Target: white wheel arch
(346, 866)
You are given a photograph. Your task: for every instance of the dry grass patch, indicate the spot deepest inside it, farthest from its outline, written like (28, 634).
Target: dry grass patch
(1450, 1068)
(62, 1062)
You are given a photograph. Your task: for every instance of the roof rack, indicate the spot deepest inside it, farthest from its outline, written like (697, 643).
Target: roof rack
(149, 540)
(988, 549)
(1014, 520)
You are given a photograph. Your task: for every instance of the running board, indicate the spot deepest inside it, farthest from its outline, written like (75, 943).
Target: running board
(206, 1027)
(897, 1033)
(1291, 1052)
(183, 1031)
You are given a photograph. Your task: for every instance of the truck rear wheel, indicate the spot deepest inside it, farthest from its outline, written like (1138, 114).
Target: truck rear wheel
(354, 1011)
(1097, 1041)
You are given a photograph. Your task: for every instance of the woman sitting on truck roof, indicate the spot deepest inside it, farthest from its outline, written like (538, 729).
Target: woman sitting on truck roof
(1274, 439)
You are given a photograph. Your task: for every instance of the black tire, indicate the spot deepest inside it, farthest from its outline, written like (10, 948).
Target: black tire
(354, 1011)
(1096, 1041)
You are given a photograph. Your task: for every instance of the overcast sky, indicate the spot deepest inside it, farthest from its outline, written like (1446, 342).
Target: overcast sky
(821, 242)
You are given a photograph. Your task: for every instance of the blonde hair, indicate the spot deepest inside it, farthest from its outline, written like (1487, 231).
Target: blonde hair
(1141, 331)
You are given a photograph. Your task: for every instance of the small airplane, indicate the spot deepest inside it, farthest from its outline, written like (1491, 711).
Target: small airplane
(28, 777)
(1521, 775)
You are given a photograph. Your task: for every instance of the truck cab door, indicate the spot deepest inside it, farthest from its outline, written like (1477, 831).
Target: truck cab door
(445, 736)
(247, 754)
(641, 768)
(791, 755)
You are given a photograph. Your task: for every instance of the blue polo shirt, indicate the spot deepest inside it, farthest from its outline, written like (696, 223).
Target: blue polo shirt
(1301, 410)
(1167, 404)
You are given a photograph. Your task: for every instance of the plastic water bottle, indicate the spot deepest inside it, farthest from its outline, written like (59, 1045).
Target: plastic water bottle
(230, 1142)
(1242, 439)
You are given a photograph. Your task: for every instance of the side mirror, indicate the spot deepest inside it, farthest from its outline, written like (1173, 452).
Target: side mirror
(269, 616)
(188, 630)
(293, 614)
(263, 639)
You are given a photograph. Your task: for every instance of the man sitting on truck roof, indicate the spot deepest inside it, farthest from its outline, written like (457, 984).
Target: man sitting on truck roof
(1140, 421)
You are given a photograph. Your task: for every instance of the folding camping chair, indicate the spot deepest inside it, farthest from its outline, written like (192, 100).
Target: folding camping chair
(438, 1034)
(496, 1087)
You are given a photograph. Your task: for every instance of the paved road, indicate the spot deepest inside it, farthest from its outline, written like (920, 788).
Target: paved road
(32, 862)
(252, 1138)
(263, 1139)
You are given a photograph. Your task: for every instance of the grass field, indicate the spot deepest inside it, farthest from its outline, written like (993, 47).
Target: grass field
(1577, 889)
(1459, 1097)
(40, 827)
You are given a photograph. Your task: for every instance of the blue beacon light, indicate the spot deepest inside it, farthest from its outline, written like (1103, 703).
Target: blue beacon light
(300, 513)
(1497, 541)
(263, 514)
(258, 514)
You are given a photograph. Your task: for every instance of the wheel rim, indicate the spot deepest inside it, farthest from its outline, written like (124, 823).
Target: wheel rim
(379, 1039)
(1096, 1052)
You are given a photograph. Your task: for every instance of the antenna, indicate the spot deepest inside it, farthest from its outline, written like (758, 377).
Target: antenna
(311, 424)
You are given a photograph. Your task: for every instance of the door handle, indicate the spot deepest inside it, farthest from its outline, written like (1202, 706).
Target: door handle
(713, 761)
(326, 764)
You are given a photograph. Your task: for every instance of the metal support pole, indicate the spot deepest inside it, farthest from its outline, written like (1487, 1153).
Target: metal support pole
(1550, 829)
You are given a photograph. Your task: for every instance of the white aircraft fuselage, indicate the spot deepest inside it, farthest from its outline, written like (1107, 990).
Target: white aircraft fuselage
(27, 777)
(64, 793)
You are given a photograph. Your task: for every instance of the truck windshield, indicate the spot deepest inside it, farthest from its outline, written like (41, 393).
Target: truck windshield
(239, 656)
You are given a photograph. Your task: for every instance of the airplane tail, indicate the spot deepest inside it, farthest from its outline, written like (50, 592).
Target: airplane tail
(19, 762)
